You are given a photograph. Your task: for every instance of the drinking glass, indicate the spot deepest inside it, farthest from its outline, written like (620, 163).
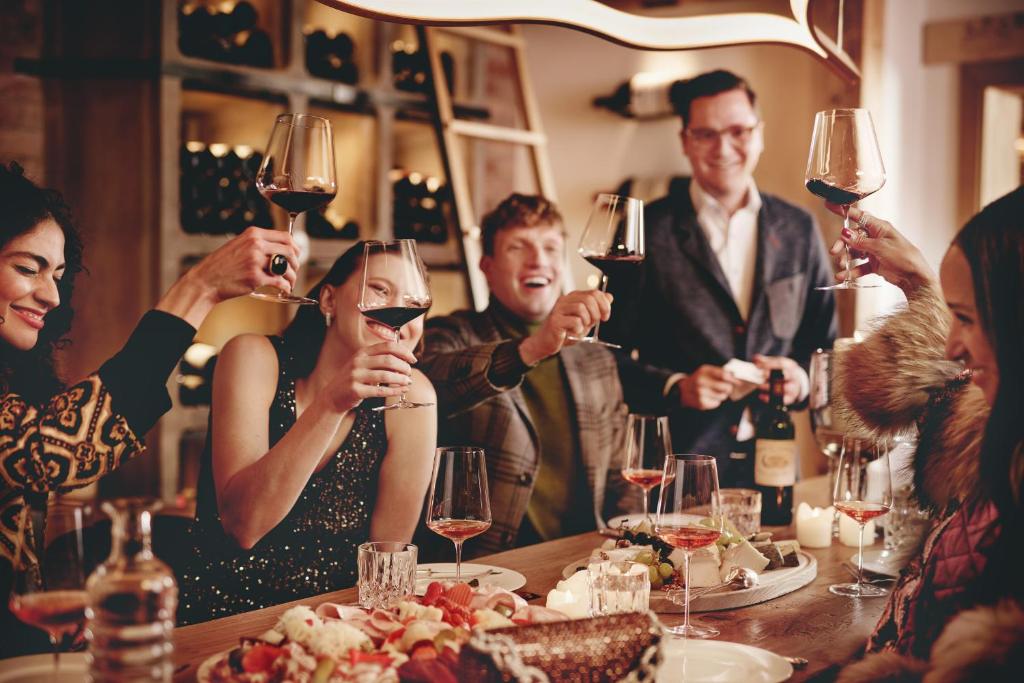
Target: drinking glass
(613, 242)
(394, 292)
(387, 573)
(689, 492)
(459, 506)
(828, 431)
(863, 491)
(648, 443)
(618, 587)
(48, 590)
(742, 507)
(844, 166)
(297, 174)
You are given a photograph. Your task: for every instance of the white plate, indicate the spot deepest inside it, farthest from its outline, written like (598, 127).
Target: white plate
(874, 562)
(445, 571)
(73, 669)
(719, 661)
(635, 518)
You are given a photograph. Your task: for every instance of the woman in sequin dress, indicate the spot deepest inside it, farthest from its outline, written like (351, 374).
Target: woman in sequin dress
(297, 459)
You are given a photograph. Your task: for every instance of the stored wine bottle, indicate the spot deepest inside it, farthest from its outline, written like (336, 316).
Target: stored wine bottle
(775, 457)
(642, 97)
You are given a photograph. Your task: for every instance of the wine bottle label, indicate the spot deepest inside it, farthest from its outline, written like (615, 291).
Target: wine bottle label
(775, 462)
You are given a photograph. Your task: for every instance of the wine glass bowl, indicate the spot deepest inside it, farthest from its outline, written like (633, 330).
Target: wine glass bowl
(48, 588)
(613, 242)
(394, 292)
(648, 443)
(297, 174)
(863, 491)
(844, 165)
(689, 518)
(459, 506)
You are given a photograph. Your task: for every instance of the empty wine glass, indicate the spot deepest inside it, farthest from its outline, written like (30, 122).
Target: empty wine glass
(394, 292)
(613, 241)
(689, 518)
(48, 590)
(648, 443)
(844, 166)
(863, 491)
(297, 174)
(459, 506)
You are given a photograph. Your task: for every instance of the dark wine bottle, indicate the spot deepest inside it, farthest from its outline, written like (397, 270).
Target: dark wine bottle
(642, 98)
(775, 457)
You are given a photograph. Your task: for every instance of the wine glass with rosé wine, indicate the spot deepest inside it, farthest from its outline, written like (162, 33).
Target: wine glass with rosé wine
(648, 443)
(863, 491)
(689, 518)
(48, 590)
(459, 507)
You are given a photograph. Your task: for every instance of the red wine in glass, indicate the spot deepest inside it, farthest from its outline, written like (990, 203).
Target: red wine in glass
(833, 194)
(395, 316)
(458, 530)
(60, 612)
(645, 479)
(615, 266)
(299, 201)
(860, 511)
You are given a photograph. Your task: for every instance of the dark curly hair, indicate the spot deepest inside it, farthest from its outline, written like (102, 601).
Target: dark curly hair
(708, 84)
(305, 334)
(24, 205)
(518, 211)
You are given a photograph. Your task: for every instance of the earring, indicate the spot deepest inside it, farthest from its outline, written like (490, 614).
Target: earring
(328, 317)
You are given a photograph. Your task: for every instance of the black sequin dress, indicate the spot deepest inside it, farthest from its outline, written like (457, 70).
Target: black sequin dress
(313, 549)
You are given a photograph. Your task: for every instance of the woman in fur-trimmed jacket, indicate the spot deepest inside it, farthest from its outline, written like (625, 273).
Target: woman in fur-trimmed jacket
(953, 372)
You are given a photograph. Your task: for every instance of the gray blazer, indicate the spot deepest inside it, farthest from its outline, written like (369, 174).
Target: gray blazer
(679, 313)
(459, 350)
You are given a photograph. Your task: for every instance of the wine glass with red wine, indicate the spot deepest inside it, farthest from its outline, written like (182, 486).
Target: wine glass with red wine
(844, 166)
(48, 591)
(863, 491)
(459, 506)
(648, 444)
(613, 242)
(394, 292)
(297, 174)
(689, 518)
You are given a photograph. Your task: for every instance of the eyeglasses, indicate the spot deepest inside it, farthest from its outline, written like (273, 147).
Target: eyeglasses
(735, 135)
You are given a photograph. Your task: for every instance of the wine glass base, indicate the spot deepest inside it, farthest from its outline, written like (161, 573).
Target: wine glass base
(403, 404)
(848, 285)
(282, 298)
(692, 631)
(854, 590)
(592, 340)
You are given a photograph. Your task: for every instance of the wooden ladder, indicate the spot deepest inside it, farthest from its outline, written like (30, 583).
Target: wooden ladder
(456, 134)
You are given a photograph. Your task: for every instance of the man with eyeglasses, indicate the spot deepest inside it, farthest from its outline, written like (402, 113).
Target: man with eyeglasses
(730, 274)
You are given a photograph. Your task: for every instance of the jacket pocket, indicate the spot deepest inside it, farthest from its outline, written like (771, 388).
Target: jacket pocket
(786, 298)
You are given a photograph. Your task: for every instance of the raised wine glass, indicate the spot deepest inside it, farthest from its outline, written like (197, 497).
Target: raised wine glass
(297, 174)
(844, 166)
(48, 590)
(863, 491)
(689, 518)
(394, 292)
(459, 506)
(648, 443)
(613, 242)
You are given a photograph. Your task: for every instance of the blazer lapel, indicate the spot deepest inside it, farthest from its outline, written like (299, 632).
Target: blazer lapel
(769, 250)
(576, 373)
(693, 242)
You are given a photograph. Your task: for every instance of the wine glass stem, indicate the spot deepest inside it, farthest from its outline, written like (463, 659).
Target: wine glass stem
(398, 337)
(291, 221)
(846, 247)
(55, 644)
(860, 557)
(458, 560)
(686, 592)
(647, 494)
(604, 288)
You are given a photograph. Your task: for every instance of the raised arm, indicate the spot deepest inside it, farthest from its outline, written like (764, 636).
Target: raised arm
(405, 471)
(257, 485)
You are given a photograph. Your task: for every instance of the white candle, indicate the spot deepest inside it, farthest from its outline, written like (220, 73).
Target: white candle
(849, 532)
(814, 526)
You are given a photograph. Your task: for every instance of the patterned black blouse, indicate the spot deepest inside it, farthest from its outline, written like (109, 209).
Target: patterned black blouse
(313, 549)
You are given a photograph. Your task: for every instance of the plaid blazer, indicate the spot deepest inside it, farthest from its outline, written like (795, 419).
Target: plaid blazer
(459, 351)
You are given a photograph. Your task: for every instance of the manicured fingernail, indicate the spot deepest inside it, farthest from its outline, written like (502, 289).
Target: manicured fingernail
(847, 233)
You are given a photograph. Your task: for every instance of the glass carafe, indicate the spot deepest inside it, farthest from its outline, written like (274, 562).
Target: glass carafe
(132, 599)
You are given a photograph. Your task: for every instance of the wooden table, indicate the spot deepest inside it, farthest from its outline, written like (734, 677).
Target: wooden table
(826, 629)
